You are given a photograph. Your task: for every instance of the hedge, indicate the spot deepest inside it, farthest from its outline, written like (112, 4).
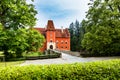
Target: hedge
(47, 56)
(100, 70)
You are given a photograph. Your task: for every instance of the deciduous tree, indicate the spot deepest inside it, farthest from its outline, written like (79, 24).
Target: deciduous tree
(103, 28)
(15, 38)
(16, 14)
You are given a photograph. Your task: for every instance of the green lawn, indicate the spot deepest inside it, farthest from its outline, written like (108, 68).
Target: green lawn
(12, 63)
(32, 54)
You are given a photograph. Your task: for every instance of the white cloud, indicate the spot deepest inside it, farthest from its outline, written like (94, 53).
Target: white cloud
(78, 6)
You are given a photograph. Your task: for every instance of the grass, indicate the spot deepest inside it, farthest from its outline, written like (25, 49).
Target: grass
(12, 63)
(32, 54)
(8, 63)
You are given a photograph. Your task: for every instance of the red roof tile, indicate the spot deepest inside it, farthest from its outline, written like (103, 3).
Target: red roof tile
(41, 30)
(62, 33)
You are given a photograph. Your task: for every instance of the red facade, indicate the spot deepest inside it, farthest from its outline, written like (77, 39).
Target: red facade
(55, 38)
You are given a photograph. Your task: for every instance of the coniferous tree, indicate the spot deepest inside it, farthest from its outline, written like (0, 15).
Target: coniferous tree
(76, 32)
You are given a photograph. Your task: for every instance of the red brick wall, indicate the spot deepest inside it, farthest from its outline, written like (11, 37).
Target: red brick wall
(50, 35)
(63, 43)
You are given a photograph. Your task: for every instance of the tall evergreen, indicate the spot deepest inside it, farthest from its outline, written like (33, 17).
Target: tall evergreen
(76, 32)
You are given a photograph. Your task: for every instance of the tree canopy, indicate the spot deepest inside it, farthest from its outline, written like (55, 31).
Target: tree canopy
(103, 28)
(16, 33)
(76, 32)
(16, 14)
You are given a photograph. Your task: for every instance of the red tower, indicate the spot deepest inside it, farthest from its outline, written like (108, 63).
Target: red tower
(50, 35)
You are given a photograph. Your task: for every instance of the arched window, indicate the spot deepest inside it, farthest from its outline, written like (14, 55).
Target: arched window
(50, 40)
(51, 46)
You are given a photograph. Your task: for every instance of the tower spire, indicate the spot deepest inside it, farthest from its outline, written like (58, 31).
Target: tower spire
(50, 25)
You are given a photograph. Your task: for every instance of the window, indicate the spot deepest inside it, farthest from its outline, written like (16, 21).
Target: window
(56, 42)
(62, 47)
(50, 40)
(62, 42)
(65, 42)
(50, 35)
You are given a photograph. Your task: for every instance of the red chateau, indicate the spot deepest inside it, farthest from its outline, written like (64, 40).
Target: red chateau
(55, 38)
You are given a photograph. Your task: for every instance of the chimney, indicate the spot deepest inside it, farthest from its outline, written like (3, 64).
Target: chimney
(62, 29)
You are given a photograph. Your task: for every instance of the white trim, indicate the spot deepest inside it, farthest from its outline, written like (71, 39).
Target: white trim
(51, 43)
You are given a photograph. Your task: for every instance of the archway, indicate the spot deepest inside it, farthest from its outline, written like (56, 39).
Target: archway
(51, 46)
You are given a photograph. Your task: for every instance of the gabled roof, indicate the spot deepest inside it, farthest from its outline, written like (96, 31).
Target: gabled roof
(62, 33)
(41, 30)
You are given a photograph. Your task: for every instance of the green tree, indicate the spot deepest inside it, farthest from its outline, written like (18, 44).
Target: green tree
(35, 40)
(81, 34)
(15, 42)
(16, 14)
(71, 30)
(15, 17)
(102, 28)
(76, 33)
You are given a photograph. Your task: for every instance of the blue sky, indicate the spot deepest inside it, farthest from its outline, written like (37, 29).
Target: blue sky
(62, 12)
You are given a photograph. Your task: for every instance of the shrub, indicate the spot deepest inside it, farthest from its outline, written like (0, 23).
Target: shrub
(102, 70)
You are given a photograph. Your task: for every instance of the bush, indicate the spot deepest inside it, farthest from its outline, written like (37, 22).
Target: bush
(102, 70)
(15, 59)
(47, 56)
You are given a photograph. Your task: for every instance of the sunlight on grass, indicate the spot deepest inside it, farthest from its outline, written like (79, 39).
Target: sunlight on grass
(4, 64)
(32, 54)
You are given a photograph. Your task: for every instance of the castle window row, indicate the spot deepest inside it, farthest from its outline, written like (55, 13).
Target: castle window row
(62, 47)
(62, 42)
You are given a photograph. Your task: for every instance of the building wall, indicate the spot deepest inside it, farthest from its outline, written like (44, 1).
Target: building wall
(60, 44)
(50, 37)
(63, 43)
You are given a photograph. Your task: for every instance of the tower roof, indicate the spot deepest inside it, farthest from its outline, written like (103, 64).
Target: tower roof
(50, 25)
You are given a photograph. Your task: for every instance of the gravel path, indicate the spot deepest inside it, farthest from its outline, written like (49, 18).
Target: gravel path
(66, 58)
